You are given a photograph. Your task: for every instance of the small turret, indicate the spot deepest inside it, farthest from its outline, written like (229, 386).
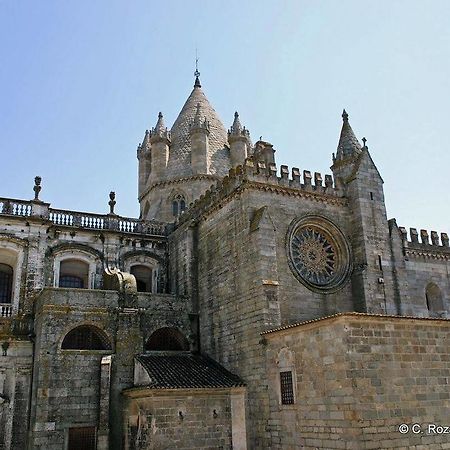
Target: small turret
(199, 132)
(160, 141)
(144, 158)
(239, 140)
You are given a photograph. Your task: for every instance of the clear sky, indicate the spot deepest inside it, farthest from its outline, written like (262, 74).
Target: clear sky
(81, 80)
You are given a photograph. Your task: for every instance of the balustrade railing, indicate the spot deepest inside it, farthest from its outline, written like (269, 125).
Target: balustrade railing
(90, 221)
(15, 207)
(5, 310)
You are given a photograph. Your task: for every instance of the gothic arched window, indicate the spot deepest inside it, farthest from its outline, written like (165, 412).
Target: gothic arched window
(86, 337)
(167, 339)
(6, 282)
(178, 205)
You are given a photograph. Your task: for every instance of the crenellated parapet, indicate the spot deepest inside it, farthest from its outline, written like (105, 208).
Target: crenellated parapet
(424, 243)
(266, 177)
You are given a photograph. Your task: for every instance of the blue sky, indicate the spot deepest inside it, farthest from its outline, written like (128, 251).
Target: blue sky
(80, 81)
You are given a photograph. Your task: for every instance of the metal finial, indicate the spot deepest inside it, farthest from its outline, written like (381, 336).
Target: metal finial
(112, 202)
(37, 187)
(364, 141)
(196, 73)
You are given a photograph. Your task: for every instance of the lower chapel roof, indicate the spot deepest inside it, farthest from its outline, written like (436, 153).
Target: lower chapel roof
(184, 370)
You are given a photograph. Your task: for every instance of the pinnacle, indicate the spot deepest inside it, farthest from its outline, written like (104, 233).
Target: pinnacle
(348, 143)
(160, 126)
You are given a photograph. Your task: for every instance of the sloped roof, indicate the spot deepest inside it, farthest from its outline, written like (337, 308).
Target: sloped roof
(179, 159)
(181, 370)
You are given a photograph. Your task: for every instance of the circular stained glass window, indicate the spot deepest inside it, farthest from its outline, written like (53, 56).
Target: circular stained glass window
(319, 255)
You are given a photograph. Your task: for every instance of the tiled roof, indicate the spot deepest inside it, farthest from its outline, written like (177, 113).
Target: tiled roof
(180, 150)
(178, 370)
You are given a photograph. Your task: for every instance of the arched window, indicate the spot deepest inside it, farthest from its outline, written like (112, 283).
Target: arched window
(86, 337)
(143, 275)
(6, 282)
(167, 339)
(433, 297)
(178, 205)
(73, 273)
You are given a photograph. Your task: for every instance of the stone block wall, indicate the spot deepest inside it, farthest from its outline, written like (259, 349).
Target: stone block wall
(358, 378)
(153, 419)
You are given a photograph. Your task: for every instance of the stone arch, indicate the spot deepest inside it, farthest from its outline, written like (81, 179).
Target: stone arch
(433, 297)
(86, 337)
(146, 267)
(12, 258)
(167, 338)
(72, 262)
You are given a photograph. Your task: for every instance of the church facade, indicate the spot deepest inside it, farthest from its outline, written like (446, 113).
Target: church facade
(250, 306)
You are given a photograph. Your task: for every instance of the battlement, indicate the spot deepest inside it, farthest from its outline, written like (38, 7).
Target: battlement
(426, 238)
(266, 176)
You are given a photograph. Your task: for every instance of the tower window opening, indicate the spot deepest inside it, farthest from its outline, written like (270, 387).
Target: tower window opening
(433, 297)
(371, 196)
(6, 281)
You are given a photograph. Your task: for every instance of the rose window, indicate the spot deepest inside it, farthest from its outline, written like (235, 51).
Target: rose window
(318, 253)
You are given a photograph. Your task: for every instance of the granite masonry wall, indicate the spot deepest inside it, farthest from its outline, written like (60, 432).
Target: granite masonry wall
(357, 378)
(182, 419)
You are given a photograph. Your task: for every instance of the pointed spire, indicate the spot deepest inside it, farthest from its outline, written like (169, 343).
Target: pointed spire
(348, 144)
(237, 129)
(160, 127)
(146, 140)
(160, 130)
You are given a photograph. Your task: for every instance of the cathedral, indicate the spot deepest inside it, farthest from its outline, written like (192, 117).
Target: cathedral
(250, 306)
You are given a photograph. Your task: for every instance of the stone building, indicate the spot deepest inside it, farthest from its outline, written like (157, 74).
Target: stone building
(249, 307)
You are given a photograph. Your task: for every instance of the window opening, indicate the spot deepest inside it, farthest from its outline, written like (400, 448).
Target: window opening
(82, 438)
(6, 281)
(85, 337)
(167, 339)
(143, 275)
(287, 388)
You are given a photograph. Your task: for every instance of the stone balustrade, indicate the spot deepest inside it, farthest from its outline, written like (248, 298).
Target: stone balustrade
(5, 310)
(66, 218)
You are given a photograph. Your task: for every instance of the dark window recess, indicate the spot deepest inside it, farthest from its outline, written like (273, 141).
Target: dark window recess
(287, 388)
(83, 438)
(167, 339)
(71, 281)
(371, 196)
(380, 265)
(85, 338)
(178, 205)
(6, 279)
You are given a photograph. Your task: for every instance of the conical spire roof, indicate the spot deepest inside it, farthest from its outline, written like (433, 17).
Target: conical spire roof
(236, 128)
(181, 142)
(348, 143)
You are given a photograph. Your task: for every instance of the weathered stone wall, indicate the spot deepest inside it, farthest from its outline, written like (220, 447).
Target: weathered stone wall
(154, 422)
(15, 385)
(66, 383)
(358, 377)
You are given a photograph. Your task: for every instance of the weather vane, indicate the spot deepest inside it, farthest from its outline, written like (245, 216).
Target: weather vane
(196, 73)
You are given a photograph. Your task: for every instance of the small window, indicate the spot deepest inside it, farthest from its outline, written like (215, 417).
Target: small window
(287, 388)
(83, 438)
(6, 281)
(167, 339)
(85, 337)
(143, 275)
